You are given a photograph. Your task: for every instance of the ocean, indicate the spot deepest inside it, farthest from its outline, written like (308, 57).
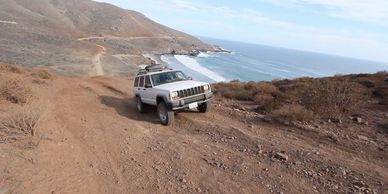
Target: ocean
(250, 62)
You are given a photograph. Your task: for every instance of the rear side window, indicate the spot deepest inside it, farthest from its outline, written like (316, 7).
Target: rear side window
(141, 84)
(136, 82)
(147, 80)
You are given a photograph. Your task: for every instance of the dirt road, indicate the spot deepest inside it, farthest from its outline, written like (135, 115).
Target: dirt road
(122, 38)
(97, 61)
(8, 22)
(92, 140)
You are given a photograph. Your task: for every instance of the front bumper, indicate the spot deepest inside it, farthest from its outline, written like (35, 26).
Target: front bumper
(184, 103)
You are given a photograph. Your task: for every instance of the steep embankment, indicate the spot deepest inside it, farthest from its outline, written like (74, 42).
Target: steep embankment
(89, 138)
(52, 33)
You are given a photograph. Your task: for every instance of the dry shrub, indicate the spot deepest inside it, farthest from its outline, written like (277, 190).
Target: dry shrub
(331, 98)
(250, 85)
(381, 92)
(14, 90)
(42, 74)
(263, 99)
(234, 90)
(367, 82)
(244, 91)
(21, 122)
(291, 113)
(267, 103)
(266, 88)
(10, 69)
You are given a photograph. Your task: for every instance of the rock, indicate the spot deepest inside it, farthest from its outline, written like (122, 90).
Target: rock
(267, 119)
(198, 190)
(358, 120)
(183, 180)
(286, 123)
(333, 137)
(281, 156)
(361, 137)
(359, 184)
(335, 120)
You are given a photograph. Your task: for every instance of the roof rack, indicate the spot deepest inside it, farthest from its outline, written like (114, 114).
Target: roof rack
(153, 68)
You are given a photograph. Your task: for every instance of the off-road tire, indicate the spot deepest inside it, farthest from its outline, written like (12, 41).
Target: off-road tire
(166, 116)
(204, 107)
(140, 105)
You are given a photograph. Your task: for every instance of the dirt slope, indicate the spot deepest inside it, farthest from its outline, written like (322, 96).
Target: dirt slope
(52, 33)
(90, 139)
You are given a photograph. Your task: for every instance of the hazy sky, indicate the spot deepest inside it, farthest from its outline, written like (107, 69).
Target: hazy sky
(354, 28)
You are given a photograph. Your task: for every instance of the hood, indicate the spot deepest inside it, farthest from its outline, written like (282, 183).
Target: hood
(180, 85)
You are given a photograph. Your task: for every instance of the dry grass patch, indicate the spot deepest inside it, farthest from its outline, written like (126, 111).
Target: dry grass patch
(19, 123)
(291, 113)
(42, 74)
(244, 91)
(332, 98)
(308, 98)
(10, 68)
(15, 90)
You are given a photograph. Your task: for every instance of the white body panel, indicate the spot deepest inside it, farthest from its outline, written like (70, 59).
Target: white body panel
(149, 95)
(180, 85)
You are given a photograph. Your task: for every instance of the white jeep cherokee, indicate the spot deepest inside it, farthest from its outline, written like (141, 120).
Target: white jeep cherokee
(170, 90)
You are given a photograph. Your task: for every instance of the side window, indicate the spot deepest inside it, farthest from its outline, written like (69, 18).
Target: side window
(141, 84)
(147, 80)
(136, 82)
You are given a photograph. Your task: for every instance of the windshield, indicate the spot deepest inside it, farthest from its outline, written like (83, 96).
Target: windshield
(168, 77)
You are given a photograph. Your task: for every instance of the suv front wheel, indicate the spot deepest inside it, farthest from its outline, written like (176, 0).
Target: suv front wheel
(204, 107)
(165, 116)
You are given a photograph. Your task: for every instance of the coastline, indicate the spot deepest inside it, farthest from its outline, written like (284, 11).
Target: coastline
(185, 60)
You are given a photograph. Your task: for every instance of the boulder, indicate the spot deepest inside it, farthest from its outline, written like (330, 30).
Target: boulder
(281, 156)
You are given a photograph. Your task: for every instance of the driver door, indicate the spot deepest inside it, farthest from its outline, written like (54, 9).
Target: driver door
(148, 93)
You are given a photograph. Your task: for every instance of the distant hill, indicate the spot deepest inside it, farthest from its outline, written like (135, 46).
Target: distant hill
(67, 34)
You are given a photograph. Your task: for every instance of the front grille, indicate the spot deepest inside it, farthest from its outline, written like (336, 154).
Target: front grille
(194, 99)
(191, 91)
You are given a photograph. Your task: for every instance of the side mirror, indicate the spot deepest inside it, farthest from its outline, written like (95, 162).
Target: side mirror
(148, 85)
(189, 78)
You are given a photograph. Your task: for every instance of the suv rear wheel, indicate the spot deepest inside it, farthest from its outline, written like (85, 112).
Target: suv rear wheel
(140, 105)
(166, 117)
(204, 107)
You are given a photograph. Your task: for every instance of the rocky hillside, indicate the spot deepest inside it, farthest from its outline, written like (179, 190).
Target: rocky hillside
(84, 135)
(66, 35)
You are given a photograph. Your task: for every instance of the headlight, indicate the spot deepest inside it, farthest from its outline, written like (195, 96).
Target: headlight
(207, 88)
(174, 95)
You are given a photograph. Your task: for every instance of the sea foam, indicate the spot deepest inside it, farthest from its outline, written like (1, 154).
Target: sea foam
(204, 55)
(194, 65)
